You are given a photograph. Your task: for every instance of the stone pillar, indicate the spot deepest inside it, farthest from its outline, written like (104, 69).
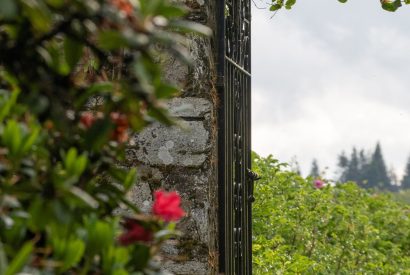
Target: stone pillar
(184, 157)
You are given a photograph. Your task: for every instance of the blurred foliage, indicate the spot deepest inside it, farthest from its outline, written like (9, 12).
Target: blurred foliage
(75, 78)
(303, 228)
(402, 196)
(388, 5)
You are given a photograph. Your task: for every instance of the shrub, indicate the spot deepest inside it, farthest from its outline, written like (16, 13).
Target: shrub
(300, 228)
(76, 77)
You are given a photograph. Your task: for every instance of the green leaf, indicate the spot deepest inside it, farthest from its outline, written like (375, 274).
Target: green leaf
(112, 40)
(8, 8)
(40, 213)
(100, 236)
(83, 196)
(3, 260)
(73, 51)
(342, 1)
(20, 260)
(74, 164)
(140, 256)
(165, 234)
(160, 115)
(189, 27)
(38, 14)
(166, 91)
(275, 7)
(114, 260)
(391, 6)
(80, 165)
(119, 174)
(12, 137)
(172, 11)
(56, 3)
(289, 4)
(29, 140)
(7, 102)
(67, 249)
(70, 158)
(74, 250)
(130, 179)
(98, 135)
(151, 7)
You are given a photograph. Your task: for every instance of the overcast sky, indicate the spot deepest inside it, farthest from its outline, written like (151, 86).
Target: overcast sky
(328, 76)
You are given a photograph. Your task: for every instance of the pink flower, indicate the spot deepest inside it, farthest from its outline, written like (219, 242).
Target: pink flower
(319, 184)
(167, 206)
(134, 233)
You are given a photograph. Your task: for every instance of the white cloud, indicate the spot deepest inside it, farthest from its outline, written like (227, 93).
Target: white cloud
(324, 86)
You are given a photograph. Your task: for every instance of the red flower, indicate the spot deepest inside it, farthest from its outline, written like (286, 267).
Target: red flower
(87, 119)
(134, 233)
(167, 206)
(120, 133)
(123, 5)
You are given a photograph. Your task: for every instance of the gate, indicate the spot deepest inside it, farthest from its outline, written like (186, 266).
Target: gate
(235, 176)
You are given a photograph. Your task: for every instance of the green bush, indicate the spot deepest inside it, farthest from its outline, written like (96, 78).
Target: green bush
(307, 227)
(402, 195)
(76, 78)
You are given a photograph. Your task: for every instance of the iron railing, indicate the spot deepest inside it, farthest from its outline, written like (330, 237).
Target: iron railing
(235, 177)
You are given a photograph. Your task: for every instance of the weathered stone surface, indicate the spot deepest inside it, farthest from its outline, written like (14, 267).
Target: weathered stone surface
(184, 157)
(188, 267)
(200, 217)
(177, 72)
(183, 145)
(189, 107)
(140, 195)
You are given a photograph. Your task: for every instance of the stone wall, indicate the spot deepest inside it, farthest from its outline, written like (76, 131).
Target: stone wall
(183, 157)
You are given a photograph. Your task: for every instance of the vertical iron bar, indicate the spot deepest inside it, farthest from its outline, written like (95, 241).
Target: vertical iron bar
(220, 10)
(234, 147)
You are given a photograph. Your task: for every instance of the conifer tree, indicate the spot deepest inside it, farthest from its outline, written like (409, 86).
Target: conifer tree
(394, 181)
(363, 168)
(363, 159)
(315, 171)
(295, 167)
(353, 173)
(377, 175)
(405, 182)
(342, 163)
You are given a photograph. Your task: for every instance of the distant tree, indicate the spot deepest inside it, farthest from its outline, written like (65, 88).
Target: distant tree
(363, 164)
(315, 171)
(294, 165)
(342, 163)
(353, 172)
(363, 159)
(405, 182)
(394, 180)
(377, 175)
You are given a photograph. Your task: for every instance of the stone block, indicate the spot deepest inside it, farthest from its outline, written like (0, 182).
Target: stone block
(184, 145)
(189, 107)
(187, 268)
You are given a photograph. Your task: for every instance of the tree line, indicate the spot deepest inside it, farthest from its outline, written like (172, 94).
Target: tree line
(368, 170)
